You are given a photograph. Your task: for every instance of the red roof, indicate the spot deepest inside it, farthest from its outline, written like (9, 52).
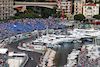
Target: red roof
(90, 4)
(18, 8)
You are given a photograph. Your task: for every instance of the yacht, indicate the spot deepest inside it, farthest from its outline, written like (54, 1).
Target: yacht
(72, 58)
(54, 39)
(31, 46)
(86, 32)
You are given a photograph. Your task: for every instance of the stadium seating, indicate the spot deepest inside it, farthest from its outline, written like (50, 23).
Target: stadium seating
(14, 27)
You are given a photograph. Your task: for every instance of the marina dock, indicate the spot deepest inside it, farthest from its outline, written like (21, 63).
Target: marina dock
(48, 58)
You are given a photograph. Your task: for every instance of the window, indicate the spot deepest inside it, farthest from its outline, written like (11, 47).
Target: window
(98, 7)
(63, 3)
(89, 8)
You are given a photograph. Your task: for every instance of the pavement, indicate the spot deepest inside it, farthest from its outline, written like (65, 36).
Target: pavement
(34, 55)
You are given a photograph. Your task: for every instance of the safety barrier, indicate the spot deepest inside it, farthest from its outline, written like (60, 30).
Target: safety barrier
(24, 62)
(22, 36)
(25, 49)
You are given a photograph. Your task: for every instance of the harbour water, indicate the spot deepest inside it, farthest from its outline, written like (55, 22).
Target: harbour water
(61, 57)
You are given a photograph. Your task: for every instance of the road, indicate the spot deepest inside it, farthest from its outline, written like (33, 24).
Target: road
(34, 55)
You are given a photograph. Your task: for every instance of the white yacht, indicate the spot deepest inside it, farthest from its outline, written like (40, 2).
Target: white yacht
(54, 39)
(86, 32)
(72, 58)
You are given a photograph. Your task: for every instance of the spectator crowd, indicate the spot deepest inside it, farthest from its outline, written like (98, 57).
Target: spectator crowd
(13, 27)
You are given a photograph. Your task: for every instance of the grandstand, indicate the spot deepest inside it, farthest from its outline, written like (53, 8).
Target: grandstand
(17, 26)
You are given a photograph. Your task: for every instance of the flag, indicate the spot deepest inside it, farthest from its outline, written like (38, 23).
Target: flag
(63, 16)
(68, 15)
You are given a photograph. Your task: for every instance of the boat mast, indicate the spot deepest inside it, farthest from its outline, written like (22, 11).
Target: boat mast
(47, 29)
(96, 45)
(37, 33)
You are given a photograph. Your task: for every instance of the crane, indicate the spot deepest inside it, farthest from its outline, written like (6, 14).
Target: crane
(60, 7)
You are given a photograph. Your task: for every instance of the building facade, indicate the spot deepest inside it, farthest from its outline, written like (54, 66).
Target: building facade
(66, 7)
(6, 9)
(78, 7)
(90, 9)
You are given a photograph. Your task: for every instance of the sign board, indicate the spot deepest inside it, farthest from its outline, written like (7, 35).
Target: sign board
(84, 25)
(37, 47)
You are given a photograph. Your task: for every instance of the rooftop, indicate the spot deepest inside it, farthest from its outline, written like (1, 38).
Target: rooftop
(90, 4)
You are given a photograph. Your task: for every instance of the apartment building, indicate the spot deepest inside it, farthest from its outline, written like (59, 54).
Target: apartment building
(90, 9)
(78, 6)
(66, 7)
(6, 9)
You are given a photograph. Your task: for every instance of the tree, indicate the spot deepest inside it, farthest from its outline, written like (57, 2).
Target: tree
(71, 0)
(97, 2)
(59, 14)
(96, 16)
(46, 12)
(29, 10)
(41, 0)
(54, 10)
(79, 17)
(18, 13)
(90, 1)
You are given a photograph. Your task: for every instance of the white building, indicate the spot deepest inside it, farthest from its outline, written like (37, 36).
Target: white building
(69, 7)
(90, 9)
(66, 7)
